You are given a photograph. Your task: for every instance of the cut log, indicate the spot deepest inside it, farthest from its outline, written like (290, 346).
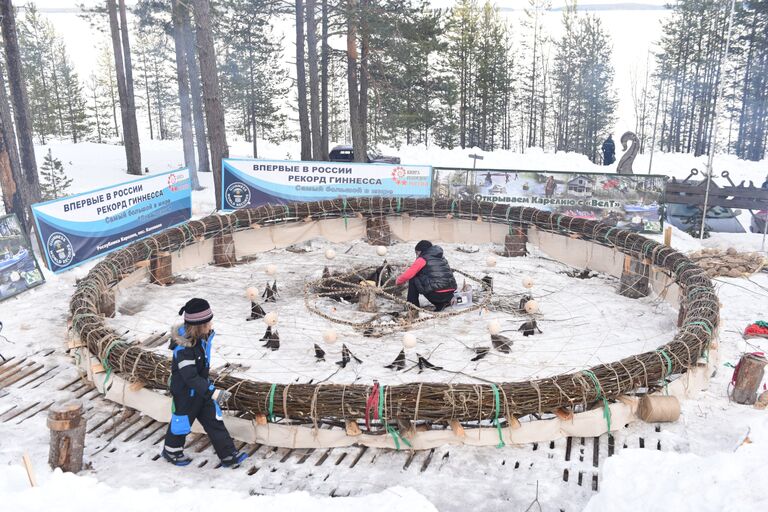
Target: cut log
(749, 375)
(224, 250)
(66, 421)
(458, 430)
(514, 242)
(161, 269)
(377, 231)
(634, 279)
(367, 300)
(260, 419)
(668, 236)
(352, 428)
(107, 304)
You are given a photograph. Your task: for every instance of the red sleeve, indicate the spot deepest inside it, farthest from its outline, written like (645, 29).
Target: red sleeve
(412, 271)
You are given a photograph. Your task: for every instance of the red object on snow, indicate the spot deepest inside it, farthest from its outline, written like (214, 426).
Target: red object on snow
(756, 331)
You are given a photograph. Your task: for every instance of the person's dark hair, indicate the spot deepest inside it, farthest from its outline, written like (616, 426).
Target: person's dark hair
(423, 245)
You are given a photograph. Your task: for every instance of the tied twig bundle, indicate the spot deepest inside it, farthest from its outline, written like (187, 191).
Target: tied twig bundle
(333, 403)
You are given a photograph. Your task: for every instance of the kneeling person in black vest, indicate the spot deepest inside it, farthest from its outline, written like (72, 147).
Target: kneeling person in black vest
(194, 396)
(430, 276)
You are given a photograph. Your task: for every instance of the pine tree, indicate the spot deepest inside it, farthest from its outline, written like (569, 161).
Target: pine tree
(585, 99)
(692, 44)
(54, 182)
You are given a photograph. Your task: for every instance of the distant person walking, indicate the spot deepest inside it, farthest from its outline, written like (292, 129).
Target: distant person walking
(609, 151)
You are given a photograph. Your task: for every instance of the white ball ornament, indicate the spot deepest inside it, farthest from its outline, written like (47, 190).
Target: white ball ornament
(527, 282)
(15, 276)
(531, 307)
(381, 250)
(330, 336)
(271, 269)
(252, 293)
(494, 327)
(409, 340)
(330, 254)
(271, 318)
(490, 261)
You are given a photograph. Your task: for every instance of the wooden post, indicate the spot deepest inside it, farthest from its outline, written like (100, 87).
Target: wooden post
(107, 304)
(66, 420)
(367, 300)
(634, 279)
(224, 250)
(161, 269)
(668, 236)
(748, 378)
(514, 243)
(377, 231)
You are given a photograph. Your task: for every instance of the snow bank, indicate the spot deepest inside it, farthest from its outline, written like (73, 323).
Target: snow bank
(650, 480)
(65, 492)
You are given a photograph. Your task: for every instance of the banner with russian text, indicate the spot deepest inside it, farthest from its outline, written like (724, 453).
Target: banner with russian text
(84, 226)
(249, 183)
(18, 266)
(627, 201)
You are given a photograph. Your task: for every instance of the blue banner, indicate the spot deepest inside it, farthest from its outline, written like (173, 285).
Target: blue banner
(249, 183)
(84, 226)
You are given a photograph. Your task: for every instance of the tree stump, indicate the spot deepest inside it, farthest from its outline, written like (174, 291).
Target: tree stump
(377, 231)
(367, 299)
(161, 269)
(514, 243)
(66, 421)
(224, 250)
(749, 375)
(107, 304)
(634, 279)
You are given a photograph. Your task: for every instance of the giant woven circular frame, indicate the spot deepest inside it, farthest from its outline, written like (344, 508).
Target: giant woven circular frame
(432, 402)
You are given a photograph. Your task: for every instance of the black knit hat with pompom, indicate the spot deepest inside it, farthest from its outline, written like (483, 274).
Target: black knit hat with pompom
(196, 312)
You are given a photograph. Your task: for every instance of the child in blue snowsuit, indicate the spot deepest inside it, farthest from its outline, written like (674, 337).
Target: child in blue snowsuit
(194, 396)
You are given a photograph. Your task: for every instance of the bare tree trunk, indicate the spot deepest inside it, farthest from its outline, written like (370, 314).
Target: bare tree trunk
(148, 95)
(184, 102)
(125, 87)
(364, 79)
(314, 78)
(324, 51)
(11, 178)
(195, 89)
(214, 112)
(301, 84)
(29, 184)
(358, 139)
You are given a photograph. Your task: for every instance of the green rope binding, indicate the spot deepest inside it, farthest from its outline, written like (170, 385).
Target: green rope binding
(669, 369)
(105, 362)
(344, 211)
(608, 233)
(389, 428)
(270, 412)
(703, 324)
(496, 408)
(600, 396)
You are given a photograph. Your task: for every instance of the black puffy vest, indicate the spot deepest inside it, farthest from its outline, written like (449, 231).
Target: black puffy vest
(436, 274)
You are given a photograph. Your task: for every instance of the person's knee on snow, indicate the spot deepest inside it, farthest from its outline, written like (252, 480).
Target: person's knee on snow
(429, 275)
(194, 396)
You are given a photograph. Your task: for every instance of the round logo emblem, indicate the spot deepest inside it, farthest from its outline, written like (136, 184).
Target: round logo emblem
(399, 176)
(60, 249)
(238, 195)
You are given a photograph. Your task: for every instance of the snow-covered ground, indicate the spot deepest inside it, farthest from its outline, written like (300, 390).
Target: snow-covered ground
(578, 325)
(704, 469)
